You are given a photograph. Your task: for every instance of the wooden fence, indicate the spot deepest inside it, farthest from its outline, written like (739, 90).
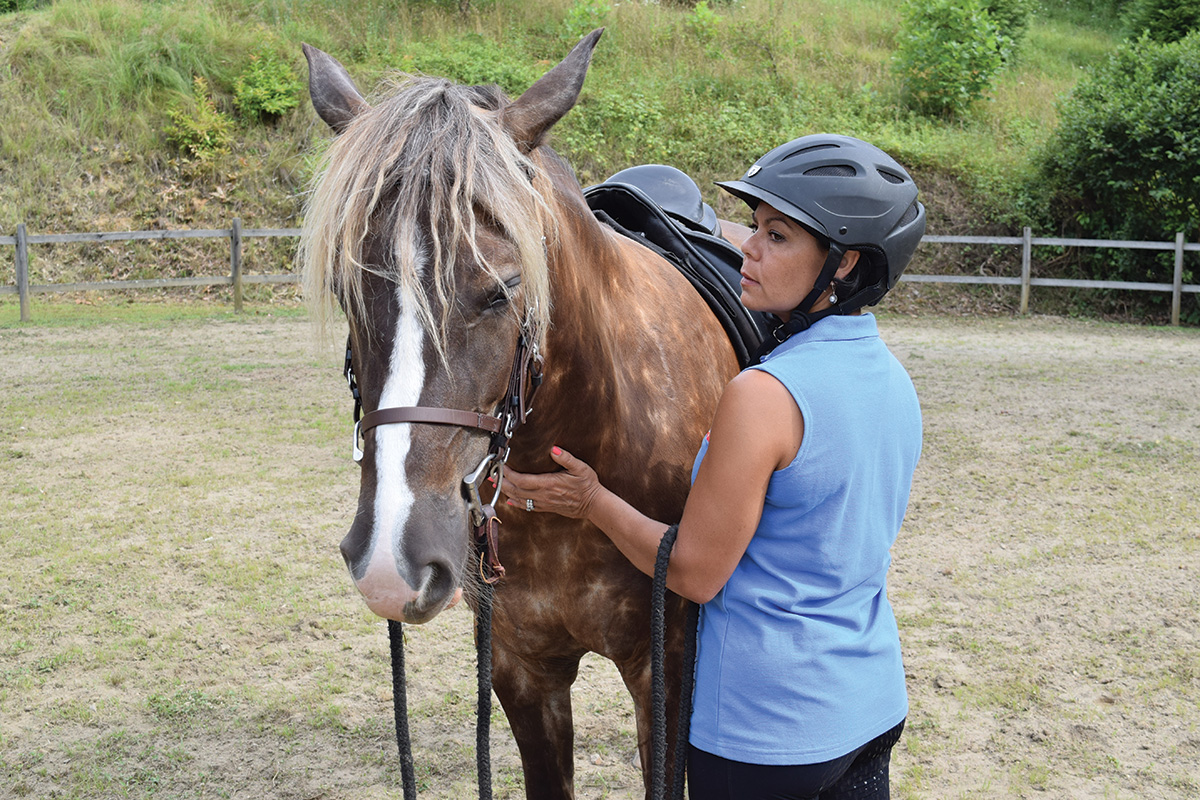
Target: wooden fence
(236, 236)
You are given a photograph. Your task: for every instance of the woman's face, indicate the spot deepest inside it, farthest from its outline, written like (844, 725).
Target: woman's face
(781, 262)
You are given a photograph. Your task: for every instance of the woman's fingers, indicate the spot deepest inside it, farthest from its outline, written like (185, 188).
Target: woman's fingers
(566, 492)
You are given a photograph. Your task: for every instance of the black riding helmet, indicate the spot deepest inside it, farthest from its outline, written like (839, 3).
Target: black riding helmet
(850, 195)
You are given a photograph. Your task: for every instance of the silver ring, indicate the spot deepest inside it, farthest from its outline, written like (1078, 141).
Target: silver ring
(529, 505)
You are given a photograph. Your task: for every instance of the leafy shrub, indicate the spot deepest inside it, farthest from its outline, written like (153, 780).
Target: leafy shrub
(1012, 22)
(197, 127)
(471, 59)
(1163, 20)
(613, 129)
(7, 6)
(1126, 158)
(948, 54)
(267, 88)
(702, 22)
(583, 17)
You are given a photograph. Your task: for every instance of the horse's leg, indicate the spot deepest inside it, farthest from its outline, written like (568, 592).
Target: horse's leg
(536, 697)
(635, 671)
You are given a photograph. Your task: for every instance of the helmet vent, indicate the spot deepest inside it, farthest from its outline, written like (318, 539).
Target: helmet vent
(833, 170)
(909, 216)
(890, 177)
(806, 150)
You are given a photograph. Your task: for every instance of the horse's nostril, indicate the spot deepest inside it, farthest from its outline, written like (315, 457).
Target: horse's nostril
(437, 581)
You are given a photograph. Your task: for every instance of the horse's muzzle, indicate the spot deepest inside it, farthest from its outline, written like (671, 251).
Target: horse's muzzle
(389, 595)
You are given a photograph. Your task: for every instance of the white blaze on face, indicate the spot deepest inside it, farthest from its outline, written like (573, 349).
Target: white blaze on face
(385, 588)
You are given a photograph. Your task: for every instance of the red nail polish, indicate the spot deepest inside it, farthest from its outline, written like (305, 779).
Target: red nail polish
(556, 450)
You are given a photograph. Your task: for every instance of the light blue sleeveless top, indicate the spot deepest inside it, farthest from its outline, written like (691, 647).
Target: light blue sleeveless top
(798, 657)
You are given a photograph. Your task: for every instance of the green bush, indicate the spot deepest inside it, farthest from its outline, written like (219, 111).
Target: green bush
(1012, 22)
(197, 128)
(583, 17)
(1163, 20)
(702, 22)
(1126, 158)
(948, 54)
(471, 59)
(267, 88)
(8, 6)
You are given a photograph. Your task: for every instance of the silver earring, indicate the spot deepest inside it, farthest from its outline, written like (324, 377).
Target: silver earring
(833, 298)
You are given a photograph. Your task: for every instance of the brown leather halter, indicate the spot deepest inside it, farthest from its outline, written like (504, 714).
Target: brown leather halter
(515, 407)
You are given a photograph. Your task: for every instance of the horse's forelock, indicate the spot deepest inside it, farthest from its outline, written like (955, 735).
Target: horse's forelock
(416, 167)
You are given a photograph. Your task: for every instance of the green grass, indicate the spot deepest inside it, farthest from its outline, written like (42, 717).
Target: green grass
(107, 308)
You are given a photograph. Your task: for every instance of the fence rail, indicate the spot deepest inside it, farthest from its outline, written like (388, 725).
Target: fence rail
(236, 236)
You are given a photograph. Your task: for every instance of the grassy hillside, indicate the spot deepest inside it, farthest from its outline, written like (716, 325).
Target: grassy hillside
(87, 92)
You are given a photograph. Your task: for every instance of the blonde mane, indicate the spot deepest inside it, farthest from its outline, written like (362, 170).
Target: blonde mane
(418, 167)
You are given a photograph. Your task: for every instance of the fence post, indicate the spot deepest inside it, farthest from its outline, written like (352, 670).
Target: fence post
(235, 262)
(23, 271)
(1026, 268)
(1177, 289)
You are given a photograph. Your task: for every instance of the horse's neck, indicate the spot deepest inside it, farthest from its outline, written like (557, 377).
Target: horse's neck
(595, 289)
(620, 387)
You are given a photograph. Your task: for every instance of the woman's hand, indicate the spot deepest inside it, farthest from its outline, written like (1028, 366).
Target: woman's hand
(569, 492)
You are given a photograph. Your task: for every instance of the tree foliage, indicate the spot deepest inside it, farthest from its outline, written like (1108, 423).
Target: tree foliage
(1163, 20)
(1127, 153)
(1011, 18)
(948, 54)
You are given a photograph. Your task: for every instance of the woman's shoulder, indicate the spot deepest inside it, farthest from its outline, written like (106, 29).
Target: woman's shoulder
(755, 384)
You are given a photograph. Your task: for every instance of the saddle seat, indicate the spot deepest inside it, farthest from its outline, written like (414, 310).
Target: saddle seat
(661, 207)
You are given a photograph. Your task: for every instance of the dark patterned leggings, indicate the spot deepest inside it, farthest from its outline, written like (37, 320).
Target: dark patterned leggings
(861, 774)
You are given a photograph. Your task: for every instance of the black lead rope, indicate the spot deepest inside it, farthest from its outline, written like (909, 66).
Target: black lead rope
(483, 713)
(400, 709)
(483, 657)
(658, 681)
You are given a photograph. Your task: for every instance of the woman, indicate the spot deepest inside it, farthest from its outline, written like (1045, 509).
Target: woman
(798, 492)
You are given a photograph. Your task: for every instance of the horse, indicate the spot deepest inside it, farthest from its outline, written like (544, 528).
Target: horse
(454, 238)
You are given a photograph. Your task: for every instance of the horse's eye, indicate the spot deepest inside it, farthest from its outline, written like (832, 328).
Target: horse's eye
(500, 297)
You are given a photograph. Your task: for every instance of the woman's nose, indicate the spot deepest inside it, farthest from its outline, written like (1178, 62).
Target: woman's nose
(749, 245)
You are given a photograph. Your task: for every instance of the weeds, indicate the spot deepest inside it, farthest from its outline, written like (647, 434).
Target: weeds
(267, 89)
(197, 127)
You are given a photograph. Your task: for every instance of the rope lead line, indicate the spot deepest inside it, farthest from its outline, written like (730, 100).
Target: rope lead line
(400, 709)
(483, 722)
(483, 656)
(658, 682)
(483, 714)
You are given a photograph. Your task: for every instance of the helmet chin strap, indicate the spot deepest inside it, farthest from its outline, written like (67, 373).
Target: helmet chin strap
(801, 317)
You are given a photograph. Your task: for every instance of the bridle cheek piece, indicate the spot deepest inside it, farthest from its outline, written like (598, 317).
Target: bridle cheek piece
(524, 379)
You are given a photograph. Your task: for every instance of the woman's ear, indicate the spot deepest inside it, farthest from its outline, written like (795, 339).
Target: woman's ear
(849, 261)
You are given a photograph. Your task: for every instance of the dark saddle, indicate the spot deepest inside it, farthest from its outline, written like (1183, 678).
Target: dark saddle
(661, 208)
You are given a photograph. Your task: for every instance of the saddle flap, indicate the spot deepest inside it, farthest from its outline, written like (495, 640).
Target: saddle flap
(711, 263)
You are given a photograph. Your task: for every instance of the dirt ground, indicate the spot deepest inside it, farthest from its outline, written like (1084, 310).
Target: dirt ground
(176, 622)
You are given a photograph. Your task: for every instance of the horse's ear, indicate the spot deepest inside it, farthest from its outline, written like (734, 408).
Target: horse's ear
(530, 116)
(333, 93)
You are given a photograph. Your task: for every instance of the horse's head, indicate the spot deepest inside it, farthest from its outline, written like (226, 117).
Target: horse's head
(428, 226)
